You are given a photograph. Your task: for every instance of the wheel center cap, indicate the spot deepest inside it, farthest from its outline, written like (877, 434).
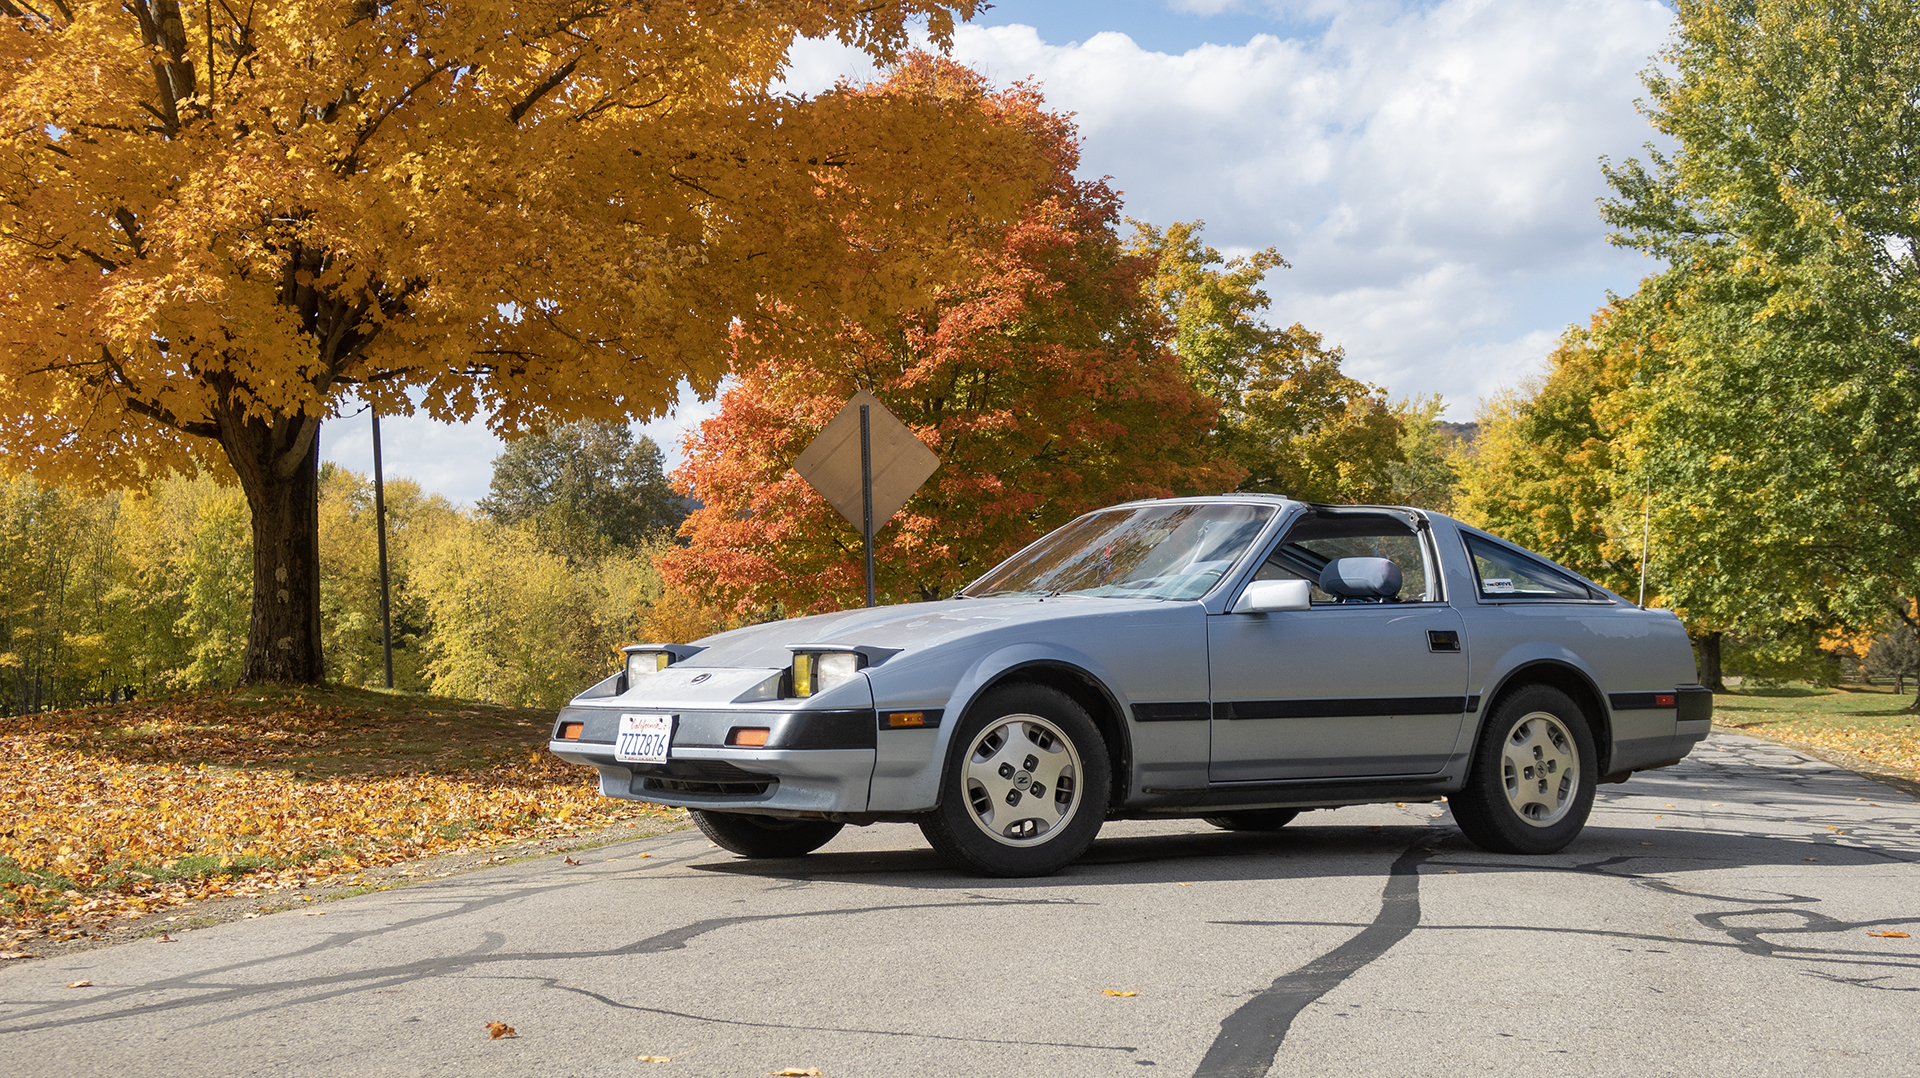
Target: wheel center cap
(1022, 781)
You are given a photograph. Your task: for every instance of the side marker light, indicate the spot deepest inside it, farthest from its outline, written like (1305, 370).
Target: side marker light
(906, 718)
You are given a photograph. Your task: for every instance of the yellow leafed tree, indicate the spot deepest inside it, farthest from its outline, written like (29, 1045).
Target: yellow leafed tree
(216, 221)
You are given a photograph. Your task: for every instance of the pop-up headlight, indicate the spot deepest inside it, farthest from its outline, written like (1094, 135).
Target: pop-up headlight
(817, 671)
(645, 660)
(819, 667)
(642, 663)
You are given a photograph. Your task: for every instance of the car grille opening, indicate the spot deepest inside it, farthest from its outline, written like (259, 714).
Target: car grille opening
(705, 778)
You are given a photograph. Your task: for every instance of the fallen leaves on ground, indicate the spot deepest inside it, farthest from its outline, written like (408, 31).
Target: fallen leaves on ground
(656, 1059)
(120, 811)
(1890, 935)
(81, 984)
(497, 1030)
(1111, 992)
(1864, 725)
(796, 1072)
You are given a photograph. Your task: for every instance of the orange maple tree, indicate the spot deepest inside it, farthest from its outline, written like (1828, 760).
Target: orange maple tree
(220, 222)
(1043, 381)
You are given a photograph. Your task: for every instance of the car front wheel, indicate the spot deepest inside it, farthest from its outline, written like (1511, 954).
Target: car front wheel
(764, 836)
(1533, 775)
(1025, 786)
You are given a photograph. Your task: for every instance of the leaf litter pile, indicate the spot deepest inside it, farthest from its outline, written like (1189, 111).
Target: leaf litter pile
(120, 810)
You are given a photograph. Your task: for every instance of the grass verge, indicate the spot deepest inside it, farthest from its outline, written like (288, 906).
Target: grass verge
(1865, 728)
(123, 809)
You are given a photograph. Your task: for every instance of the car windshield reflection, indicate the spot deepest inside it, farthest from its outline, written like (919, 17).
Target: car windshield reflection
(1147, 552)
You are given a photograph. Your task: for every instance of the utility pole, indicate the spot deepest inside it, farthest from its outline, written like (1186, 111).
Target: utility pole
(380, 519)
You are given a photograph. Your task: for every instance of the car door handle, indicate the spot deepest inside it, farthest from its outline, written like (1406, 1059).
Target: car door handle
(1443, 640)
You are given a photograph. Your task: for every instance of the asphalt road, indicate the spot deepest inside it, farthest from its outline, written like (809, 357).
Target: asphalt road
(1714, 919)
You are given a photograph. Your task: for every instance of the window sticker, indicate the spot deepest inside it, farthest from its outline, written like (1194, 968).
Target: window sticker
(1496, 585)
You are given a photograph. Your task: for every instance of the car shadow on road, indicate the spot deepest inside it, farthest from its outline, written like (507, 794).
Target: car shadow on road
(1309, 852)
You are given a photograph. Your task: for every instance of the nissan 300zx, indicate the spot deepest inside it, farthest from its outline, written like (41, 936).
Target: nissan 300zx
(1236, 659)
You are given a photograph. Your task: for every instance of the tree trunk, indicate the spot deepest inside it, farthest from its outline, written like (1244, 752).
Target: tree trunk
(278, 464)
(1710, 662)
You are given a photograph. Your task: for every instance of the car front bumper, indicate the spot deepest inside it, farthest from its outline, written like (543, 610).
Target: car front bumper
(774, 781)
(815, 761)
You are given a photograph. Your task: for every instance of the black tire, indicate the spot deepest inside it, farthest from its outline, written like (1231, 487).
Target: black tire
(765, 836)
(1253, 819)
(1015, 740)
(1531, 783)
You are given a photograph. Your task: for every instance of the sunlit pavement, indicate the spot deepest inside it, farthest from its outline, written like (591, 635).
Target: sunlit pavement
(1715, 918)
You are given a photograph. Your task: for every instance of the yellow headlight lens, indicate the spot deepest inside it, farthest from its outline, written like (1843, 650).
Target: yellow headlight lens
(803, 674)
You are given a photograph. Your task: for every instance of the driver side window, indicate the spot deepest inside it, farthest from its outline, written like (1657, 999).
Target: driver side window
(1324, 535)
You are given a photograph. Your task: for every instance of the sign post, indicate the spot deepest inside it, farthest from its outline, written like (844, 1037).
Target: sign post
(866, 463)
(866, 492)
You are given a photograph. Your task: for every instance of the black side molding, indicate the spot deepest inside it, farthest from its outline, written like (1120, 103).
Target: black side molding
(1174, 711)
(1344, 707)
(1642, 701)
(1691, 702)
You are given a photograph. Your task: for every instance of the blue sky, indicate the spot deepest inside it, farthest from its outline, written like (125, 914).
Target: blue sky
(1428, 167)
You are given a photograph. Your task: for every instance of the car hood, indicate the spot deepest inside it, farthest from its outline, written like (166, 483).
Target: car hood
(907, 627)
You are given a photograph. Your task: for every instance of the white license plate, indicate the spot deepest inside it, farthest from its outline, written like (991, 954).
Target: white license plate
(643, 739)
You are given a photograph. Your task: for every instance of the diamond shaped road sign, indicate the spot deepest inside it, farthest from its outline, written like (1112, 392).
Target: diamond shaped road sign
(901, 462)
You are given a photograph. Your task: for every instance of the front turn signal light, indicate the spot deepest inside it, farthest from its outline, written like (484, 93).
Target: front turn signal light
(570, 731)
(748, 736)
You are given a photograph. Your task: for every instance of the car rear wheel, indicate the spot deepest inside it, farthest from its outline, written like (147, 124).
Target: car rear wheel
(1533, 775)
(1025, 788)
(1253, 819)
(765, 836)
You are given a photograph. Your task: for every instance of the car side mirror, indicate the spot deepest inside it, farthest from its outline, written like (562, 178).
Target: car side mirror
(1267, 596)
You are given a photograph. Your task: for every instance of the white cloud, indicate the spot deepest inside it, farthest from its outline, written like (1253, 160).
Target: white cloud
(1430, 170)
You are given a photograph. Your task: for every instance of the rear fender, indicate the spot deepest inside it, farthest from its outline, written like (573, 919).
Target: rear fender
(1544, 664)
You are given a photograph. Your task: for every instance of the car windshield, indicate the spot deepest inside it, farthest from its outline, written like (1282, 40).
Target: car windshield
(1148, 552)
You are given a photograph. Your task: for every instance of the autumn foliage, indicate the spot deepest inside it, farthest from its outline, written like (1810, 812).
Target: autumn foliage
(1042, 379)
(125, 810)
(218, 221)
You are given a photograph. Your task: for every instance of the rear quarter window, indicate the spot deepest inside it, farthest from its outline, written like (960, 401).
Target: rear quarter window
(1500, 573)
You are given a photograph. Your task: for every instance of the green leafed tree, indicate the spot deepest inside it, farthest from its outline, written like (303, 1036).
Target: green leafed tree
(1773, 413)
(1289, 415)
(584, 487)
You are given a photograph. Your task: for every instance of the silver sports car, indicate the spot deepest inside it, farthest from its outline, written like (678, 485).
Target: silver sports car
(1237, 659)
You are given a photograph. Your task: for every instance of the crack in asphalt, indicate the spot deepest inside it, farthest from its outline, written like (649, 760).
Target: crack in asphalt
(361, 980)
(1250, 1037)
(554, 983)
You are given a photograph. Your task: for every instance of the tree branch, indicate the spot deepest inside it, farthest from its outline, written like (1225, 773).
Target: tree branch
(168, 419)
(351, 163)
(559, 76)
